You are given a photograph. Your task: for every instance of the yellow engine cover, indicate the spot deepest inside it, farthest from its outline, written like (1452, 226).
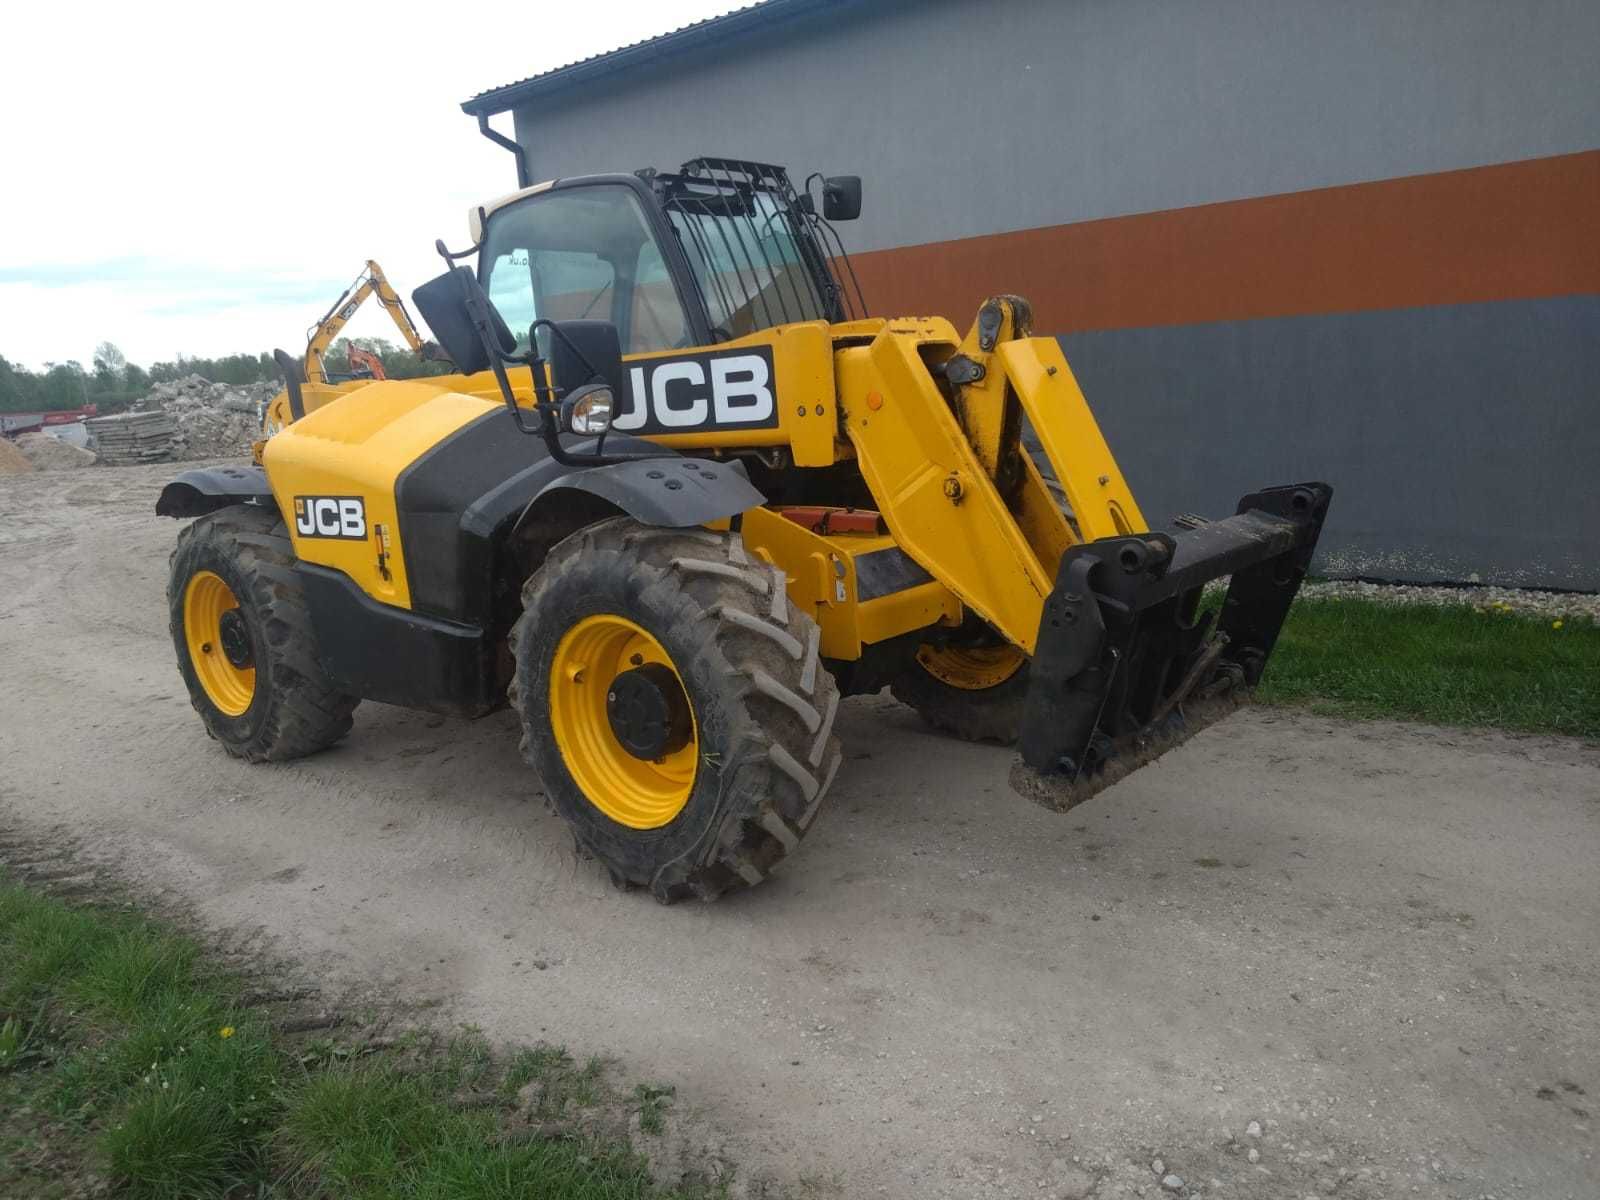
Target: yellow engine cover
(333, 473)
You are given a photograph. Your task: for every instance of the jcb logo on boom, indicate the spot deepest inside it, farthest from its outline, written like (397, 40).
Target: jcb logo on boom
(692, 392)
(330, 517)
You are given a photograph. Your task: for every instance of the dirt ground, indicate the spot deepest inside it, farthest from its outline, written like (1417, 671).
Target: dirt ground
(1377, 943)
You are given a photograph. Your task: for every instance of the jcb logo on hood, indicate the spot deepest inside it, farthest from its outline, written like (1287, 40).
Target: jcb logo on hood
(330, 517)
(700, 391)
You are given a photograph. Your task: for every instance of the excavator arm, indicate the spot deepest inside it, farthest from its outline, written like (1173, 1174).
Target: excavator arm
(371, 282)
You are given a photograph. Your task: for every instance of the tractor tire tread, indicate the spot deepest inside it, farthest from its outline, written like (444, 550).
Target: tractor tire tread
(762, 668)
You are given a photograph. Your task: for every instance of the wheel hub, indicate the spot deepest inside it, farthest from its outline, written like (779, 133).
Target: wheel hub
(971, 668)
(623, 721)
(235, 639)
(648, 711)
(217, 639)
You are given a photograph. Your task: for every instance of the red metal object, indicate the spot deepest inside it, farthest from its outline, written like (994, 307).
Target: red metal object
(13, 423)
(835, 520)
(68, 416)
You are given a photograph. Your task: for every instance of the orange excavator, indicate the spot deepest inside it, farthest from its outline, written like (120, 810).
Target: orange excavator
(364, 364)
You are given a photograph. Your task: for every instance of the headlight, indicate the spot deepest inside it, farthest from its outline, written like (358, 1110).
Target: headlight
(589, 410)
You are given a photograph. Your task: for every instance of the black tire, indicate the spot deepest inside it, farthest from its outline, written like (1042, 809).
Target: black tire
(992, 714)
(763, 702)
(294, 710)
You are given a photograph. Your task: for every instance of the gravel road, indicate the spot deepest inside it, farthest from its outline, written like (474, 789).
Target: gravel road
(1297, 957)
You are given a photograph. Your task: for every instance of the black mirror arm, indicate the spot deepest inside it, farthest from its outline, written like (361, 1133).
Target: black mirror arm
(477, 305)
(547, 400)
(478, 310)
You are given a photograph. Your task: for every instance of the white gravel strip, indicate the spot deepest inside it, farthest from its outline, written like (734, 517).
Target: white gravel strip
(1518, 600)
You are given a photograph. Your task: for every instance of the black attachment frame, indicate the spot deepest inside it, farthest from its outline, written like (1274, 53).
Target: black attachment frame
(1121, 648)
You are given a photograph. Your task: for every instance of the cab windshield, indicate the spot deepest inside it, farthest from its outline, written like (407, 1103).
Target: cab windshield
(582, 253)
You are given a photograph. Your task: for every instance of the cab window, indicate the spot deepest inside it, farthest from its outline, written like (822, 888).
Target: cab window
(655, 318)
(585, 253)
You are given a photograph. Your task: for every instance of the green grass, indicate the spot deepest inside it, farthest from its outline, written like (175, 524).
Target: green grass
(123, 1054)
(653, 1101)
(1450, 665)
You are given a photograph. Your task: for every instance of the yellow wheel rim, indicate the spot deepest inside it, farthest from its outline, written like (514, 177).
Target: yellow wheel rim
(972, 668)
(218, 646)
(640, 793)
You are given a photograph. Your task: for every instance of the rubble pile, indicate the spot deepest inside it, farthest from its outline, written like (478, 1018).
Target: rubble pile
(210, 420)
(12, 460)
(49, 453)
(133, 437)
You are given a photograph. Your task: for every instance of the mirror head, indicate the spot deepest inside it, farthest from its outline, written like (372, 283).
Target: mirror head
(841, 197)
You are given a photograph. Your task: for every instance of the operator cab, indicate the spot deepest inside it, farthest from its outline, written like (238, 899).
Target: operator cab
(579, 273)
(717, 251)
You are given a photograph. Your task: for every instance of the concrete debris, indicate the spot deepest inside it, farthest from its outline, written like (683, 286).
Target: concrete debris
(210, 420)
(1172, 1183)
(133, 437)
(12, 460)
(47, 452)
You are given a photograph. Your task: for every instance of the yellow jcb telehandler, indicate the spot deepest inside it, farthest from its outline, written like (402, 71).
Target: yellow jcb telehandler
(681, 495)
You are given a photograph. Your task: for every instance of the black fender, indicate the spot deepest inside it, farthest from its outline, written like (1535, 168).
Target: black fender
(669, 491)
(462, 500)
(206, 489)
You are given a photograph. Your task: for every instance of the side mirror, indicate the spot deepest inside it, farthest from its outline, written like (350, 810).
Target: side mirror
(445, 303)
(588, 409)
(585, 352)
(841, 197)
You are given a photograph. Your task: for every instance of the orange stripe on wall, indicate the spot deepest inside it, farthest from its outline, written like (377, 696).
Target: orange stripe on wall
(1512, 231)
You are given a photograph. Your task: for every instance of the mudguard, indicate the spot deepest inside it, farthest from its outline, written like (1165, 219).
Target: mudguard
(668, 491)
(462, 498)
(206, 489)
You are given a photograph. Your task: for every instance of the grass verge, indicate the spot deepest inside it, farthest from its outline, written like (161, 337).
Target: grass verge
(1447, 664)
(130, 1067)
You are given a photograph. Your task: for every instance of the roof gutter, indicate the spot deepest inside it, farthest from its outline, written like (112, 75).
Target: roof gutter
(511, 144)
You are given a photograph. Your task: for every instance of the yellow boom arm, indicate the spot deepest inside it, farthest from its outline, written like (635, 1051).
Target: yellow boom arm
(371, 282)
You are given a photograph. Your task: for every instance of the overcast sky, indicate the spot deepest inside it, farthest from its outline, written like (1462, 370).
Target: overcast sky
(205, 178)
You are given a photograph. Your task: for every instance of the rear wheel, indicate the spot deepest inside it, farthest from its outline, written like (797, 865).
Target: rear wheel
(675, 706)
(975, 692)
(243, 636)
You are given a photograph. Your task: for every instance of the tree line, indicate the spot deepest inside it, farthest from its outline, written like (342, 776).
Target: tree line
(113, 383)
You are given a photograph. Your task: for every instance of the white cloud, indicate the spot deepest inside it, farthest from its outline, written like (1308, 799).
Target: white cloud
(205, 178)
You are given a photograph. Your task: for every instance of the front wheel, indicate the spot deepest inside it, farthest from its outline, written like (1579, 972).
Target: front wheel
(675, 706)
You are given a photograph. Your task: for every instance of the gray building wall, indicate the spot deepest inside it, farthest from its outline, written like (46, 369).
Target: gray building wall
(1461, 439)
(978, 116)
(1447, 463)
